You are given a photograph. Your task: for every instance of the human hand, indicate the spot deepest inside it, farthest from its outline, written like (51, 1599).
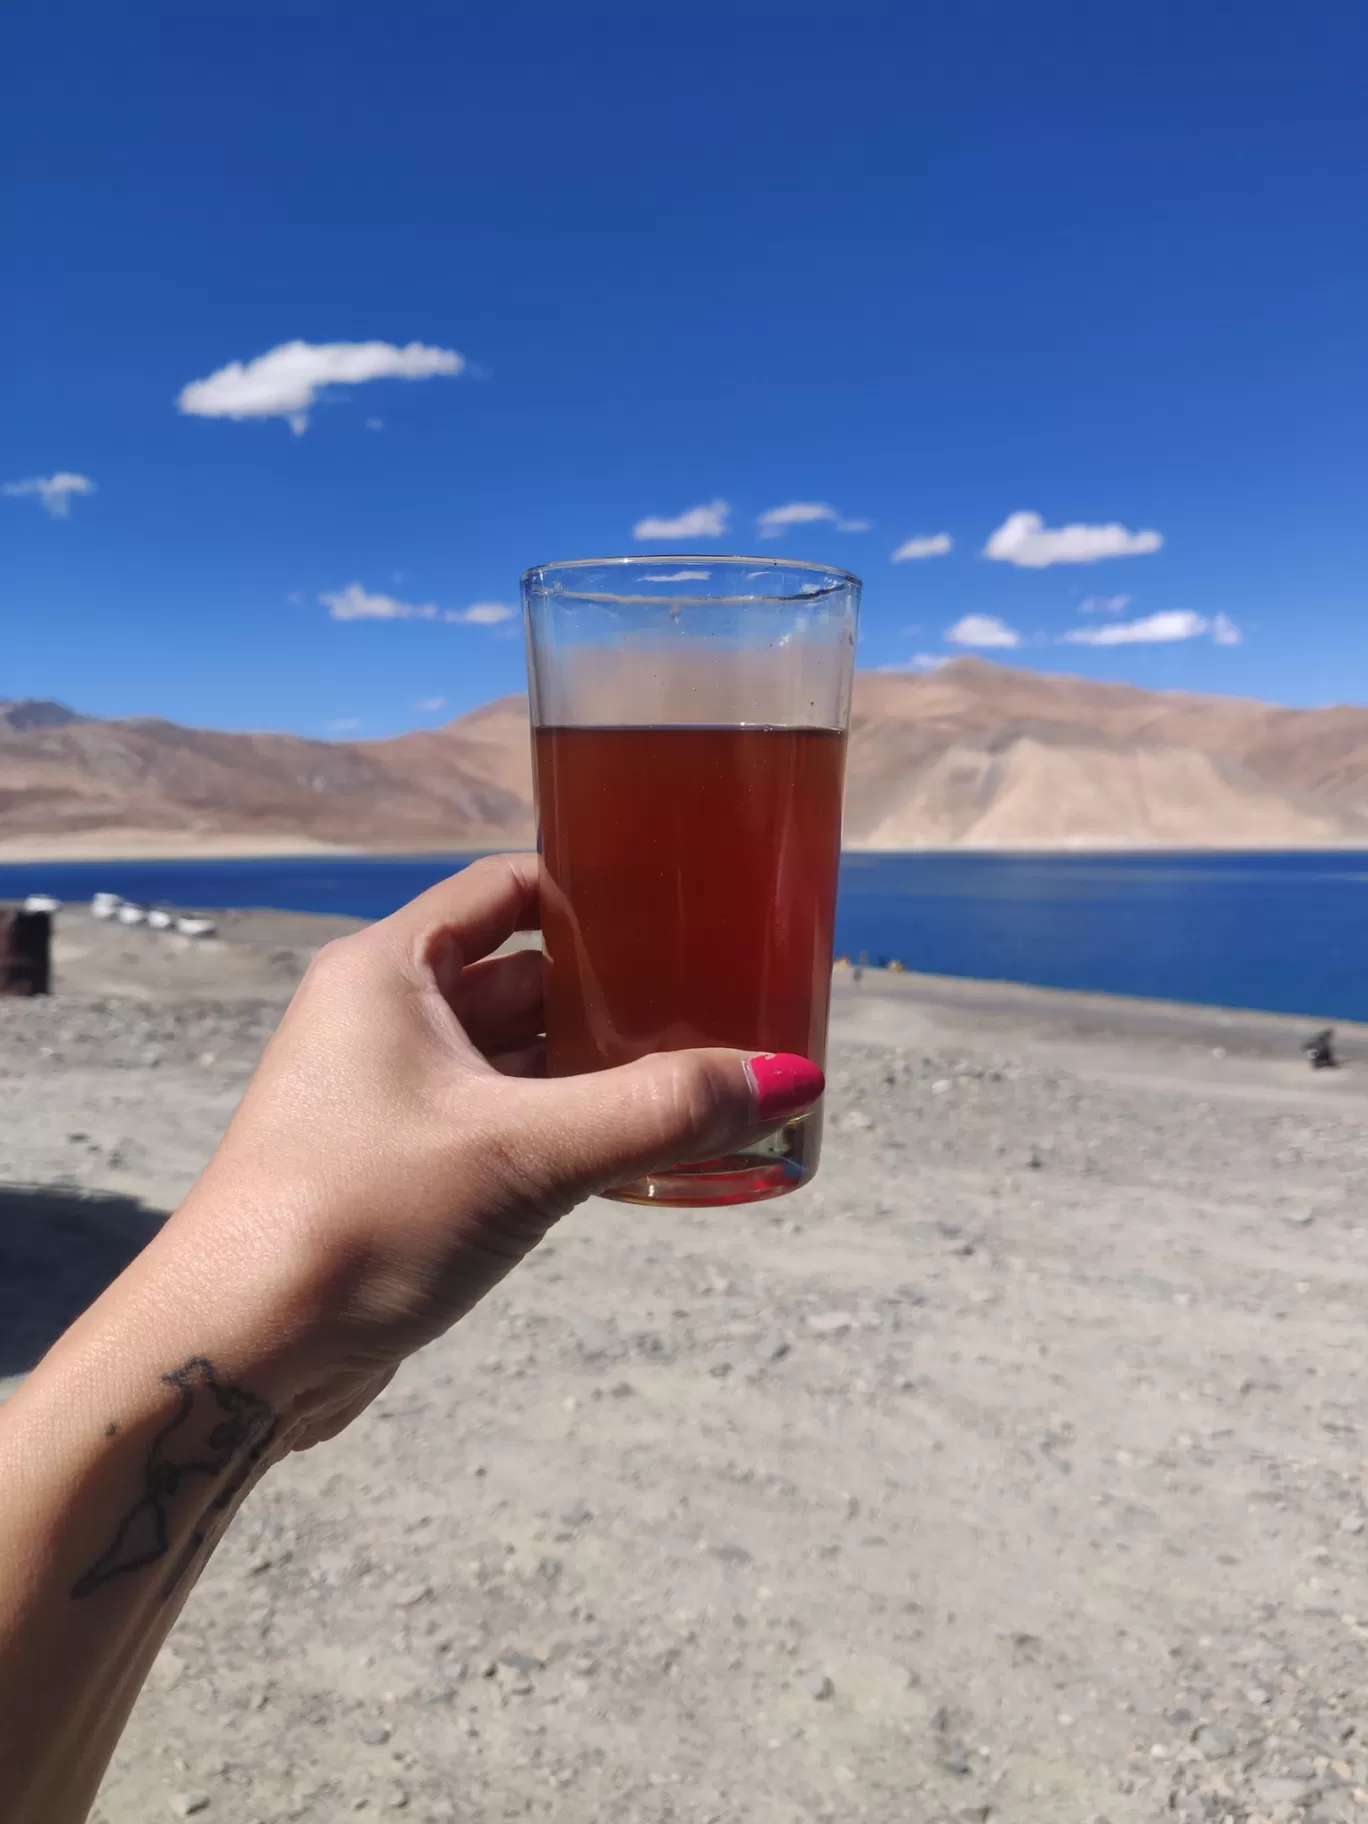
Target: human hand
(399, 1150)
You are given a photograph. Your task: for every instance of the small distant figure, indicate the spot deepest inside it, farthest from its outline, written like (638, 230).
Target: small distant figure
(857, 973)
(1320, 1050)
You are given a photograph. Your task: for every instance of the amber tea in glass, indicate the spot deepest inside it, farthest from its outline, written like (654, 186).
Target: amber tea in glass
(689, 730)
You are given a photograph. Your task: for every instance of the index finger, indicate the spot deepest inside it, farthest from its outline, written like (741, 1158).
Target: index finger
(473, 911)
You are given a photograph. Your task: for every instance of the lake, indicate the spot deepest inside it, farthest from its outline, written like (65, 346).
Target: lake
(1285, 932)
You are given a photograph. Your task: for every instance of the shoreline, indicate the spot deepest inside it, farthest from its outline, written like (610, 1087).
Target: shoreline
(150, 845)
(1132, 1017)
(259, 953)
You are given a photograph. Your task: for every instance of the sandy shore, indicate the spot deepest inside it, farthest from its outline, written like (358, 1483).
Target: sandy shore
(160, 845)
(1013, 1471)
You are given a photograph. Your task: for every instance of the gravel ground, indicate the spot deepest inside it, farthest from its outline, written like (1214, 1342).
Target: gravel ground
(1015, 1470)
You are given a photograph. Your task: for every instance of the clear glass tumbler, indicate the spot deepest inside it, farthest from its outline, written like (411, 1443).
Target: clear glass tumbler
(689, 720)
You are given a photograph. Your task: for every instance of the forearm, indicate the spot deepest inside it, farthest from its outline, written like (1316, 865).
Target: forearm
(122, 1459)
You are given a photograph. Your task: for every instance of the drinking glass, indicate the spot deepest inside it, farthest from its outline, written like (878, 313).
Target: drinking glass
(689, 720)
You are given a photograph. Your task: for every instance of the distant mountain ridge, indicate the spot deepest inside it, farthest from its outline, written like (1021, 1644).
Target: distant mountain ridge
(975, 755)
(24, 713)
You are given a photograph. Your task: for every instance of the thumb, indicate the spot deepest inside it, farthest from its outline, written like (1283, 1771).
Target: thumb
(675, 1106)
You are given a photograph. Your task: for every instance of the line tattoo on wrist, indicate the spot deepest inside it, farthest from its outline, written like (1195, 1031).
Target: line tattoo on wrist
(216, 1431)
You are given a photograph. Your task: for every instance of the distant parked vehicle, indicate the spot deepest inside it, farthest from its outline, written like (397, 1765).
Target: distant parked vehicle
(129, 914)
(196, 927)
(105, 905)
(160, 919)
(42, 902)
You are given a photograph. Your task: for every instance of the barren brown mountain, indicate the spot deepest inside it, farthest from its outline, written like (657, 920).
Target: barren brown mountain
(974, 755)
(980, 755)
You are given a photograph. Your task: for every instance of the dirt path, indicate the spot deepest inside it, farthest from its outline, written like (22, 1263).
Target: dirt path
(1015, 1470)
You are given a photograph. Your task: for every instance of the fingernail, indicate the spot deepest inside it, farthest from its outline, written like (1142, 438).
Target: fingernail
(784, 1084)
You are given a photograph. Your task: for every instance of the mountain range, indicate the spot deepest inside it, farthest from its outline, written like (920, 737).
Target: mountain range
(974, 755)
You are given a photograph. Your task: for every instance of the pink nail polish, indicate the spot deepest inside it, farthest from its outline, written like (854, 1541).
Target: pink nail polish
(784, 1084)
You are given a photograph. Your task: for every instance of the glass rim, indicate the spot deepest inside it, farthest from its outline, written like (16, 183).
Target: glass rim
(841, 579)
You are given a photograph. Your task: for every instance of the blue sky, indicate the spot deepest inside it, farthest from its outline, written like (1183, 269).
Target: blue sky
(929, 267)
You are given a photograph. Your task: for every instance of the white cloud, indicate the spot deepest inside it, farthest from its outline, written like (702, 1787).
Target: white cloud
(344, 725)
(806, 513)
(1104, 604)
(1225, 632)
(1154, 629)
(429, 704)
(796, 513)
(935, 546)
(982, 630)
(356, 604)
(1024, 539)
(55, 491)
(699, 522)
(375, 424)
(481, 614)
(286, 381)
(677, 576)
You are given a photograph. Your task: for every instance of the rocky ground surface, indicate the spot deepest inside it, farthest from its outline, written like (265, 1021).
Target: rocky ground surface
(1017, 1470)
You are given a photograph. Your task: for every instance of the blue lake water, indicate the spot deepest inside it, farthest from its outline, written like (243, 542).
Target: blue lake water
(1286, 932)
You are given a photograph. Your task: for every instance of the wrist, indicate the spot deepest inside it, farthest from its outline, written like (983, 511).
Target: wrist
(271, 1285)
(203, 1288)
